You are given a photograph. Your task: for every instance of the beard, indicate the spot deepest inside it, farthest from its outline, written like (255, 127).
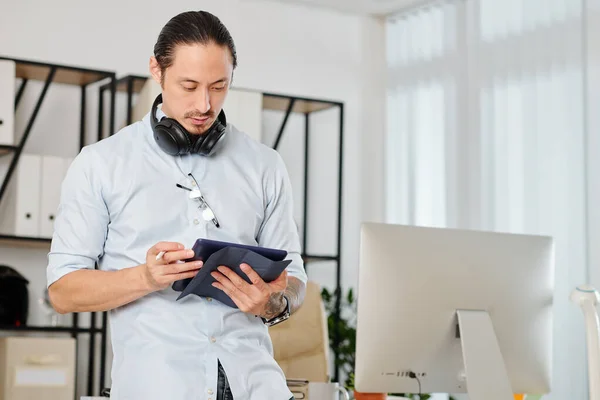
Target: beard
(198, 129)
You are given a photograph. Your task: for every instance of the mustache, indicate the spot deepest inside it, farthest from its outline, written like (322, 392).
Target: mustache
(198, 114)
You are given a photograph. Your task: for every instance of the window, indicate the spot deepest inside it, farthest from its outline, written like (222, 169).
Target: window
(486, 110)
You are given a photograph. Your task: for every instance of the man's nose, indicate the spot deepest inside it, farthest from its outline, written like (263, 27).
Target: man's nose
(203, 101)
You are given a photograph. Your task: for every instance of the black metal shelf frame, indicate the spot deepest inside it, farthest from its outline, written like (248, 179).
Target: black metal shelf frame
(132, 84)
(60, 329)
(28, 70)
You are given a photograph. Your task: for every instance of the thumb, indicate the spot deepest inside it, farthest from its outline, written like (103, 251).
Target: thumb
(281, 280)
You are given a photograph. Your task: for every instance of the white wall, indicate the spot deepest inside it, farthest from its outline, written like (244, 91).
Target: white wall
(281, 48)
(593, 143)
(592, 48)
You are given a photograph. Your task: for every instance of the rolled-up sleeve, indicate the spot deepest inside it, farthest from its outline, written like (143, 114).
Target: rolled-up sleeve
(82, 218)
(279, 230)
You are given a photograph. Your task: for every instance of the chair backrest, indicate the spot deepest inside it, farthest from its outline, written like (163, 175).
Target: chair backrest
(301, 344)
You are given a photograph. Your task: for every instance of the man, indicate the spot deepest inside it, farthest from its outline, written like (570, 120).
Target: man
(127, 205)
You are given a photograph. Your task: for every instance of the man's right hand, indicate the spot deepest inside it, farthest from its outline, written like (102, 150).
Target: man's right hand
(159, 274)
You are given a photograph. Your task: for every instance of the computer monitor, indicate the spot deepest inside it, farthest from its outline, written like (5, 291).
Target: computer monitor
(464, 311)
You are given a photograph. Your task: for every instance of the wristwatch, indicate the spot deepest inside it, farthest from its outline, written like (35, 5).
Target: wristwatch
(285, 314)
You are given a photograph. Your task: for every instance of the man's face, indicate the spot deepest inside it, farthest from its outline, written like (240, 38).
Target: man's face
(194, 87)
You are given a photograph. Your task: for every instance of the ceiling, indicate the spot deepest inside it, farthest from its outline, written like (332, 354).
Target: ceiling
(373, 7)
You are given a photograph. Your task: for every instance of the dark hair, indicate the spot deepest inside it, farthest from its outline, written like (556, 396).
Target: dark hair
(191, 27)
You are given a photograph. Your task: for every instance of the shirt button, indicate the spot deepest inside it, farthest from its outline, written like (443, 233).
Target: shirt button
(196, 222)
(193, 183)
(208, 299)
(210, 391)
(213, 339)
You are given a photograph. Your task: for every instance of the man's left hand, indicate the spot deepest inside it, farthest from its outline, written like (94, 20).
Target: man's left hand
(259, 297)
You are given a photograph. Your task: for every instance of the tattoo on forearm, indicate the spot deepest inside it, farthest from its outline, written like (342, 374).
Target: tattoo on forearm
(295, 292)
(274, 306)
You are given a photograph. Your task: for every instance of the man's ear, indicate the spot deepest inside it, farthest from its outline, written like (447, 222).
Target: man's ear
(155, 70)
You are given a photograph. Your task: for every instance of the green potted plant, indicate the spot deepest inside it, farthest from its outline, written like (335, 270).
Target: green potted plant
(346, 347)
(344, 360)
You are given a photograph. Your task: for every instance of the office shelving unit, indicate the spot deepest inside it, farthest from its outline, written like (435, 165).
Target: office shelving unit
(26, 71)
(130, 85)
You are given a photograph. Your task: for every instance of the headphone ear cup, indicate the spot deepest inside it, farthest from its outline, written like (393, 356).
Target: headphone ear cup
(175, 140)
(209, 142)
(171, 137)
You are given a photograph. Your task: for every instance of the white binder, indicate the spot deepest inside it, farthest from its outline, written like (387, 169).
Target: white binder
(20, 206)
(145, 99)
(7, 102)
(53, 173)
(243, 109)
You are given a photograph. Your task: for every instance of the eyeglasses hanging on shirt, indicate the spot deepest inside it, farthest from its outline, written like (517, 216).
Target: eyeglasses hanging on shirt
(207, 212)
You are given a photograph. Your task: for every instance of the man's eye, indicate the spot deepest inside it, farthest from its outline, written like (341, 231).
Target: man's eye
(219, 88)
(189, 89)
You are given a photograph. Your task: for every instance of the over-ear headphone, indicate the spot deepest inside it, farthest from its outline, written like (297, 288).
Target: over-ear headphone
(174, 139)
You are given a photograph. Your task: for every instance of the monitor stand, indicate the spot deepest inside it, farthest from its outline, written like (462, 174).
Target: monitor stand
(485, 370)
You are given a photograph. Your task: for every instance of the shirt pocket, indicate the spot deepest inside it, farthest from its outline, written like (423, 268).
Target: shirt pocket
(240, 214)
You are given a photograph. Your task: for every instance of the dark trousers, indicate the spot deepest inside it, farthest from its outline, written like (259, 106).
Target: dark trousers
(223, 389)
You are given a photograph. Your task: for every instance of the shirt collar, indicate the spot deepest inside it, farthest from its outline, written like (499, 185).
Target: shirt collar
(160, 113)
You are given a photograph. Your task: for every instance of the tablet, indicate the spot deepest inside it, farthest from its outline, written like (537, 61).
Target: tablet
(204, 248)
(232, 257)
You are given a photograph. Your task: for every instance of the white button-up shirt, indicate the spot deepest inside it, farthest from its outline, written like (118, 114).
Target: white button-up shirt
(119, 199)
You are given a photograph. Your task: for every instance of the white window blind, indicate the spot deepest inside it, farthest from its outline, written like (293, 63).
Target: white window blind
(422, 64)
(486, 111)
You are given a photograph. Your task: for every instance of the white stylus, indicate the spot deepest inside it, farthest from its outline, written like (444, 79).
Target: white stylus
(160, 255)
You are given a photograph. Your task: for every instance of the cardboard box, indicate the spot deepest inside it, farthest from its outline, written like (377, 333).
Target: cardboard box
(37, 368)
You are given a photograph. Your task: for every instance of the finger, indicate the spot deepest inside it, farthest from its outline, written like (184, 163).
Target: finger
(183, 275)
(233, 277)
(281, 281)
(165, 246)
(230, 288)
(173, 256)
(224, 281)
(171, 269)
(253, 276)
(239, 298)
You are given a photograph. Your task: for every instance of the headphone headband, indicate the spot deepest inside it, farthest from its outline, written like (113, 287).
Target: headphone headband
(175, 140)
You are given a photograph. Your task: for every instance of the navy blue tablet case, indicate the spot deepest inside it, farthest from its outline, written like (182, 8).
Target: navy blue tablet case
(268, 264)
